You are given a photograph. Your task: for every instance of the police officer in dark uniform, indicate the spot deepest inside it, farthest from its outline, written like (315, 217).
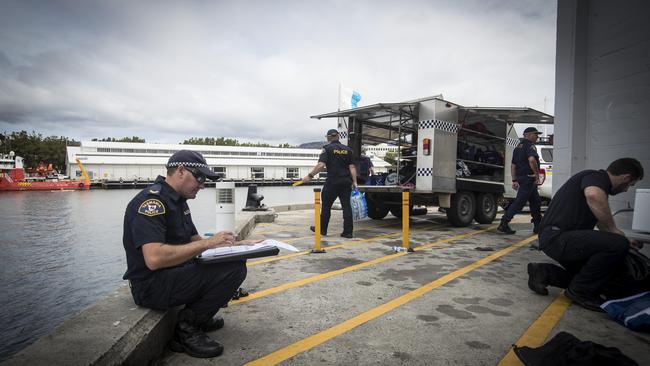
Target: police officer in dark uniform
(341, 178)
(589, 258)
(161, 244)
(366, 168)
(525, 179)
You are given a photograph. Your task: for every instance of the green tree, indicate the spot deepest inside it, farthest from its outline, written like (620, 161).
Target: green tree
(123, 139)
(36, 149)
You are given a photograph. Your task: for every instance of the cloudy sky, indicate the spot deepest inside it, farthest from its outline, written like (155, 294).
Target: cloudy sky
(256, 70)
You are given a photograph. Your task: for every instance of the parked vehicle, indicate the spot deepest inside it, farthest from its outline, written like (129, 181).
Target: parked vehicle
(546, 163)
(449, 155)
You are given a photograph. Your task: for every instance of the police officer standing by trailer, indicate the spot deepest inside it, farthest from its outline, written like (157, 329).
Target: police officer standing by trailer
(341, 178)
(525, 179)
(161, 244)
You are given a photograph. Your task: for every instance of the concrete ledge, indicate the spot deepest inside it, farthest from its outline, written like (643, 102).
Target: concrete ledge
(115, 331)
(285, 208)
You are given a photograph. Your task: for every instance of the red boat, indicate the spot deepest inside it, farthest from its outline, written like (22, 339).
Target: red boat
(13, 177)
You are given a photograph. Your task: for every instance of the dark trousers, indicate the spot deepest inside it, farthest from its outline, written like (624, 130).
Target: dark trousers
(527, 192)
(590, 258)
(341, 188)
(202, 288)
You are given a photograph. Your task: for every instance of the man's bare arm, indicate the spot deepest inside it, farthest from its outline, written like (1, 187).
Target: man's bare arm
(599, 206)
(353, 173)
(317, 169)
(160, 255)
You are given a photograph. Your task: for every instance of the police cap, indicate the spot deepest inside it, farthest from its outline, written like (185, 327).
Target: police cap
(192, 159)
(531, 130)
(332, 132)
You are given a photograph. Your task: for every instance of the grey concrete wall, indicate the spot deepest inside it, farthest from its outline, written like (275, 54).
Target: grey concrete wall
(602, 96)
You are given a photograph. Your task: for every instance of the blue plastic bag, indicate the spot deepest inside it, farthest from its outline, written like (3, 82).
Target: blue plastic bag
(359, 205)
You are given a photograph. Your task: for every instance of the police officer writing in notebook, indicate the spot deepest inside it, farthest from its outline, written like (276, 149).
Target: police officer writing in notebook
(341, 178)
(589, 257)
(525, 179)
(161, 245)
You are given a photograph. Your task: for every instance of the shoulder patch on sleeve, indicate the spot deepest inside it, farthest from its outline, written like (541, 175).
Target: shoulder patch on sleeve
(151, 207)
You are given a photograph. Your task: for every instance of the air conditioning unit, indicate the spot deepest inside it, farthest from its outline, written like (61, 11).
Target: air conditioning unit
(641, 219)
(225, 206)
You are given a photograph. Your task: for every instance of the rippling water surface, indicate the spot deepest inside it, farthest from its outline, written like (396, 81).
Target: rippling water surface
(62, 251)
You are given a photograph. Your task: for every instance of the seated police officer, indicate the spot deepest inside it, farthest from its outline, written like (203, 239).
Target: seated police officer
(589, 258)
(341, 178)
(161, 244)
(525, 179)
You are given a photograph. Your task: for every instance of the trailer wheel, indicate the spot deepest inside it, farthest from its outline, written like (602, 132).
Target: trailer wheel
(486, 208)
(396, 210)
(461, 212)
(375, 211)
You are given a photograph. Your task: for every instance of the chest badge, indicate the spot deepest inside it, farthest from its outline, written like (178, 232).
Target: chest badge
(151, 207)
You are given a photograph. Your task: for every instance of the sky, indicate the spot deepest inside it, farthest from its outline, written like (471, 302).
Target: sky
(257, 70)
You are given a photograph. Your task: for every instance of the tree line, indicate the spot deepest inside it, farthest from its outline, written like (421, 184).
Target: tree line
(224, 141)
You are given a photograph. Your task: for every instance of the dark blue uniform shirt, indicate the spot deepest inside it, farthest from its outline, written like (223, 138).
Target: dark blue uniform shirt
(337, 158)
(520, 156)
(158, 214)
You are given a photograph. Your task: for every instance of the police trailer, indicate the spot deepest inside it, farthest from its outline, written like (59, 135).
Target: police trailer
(451, 156)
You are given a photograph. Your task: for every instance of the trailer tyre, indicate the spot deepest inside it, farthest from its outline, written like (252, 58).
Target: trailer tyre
(396, 210)
(486, 208)
(375, 211)
(463, 207)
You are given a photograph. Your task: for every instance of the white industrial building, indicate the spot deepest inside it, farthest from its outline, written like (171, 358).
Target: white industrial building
(128, 161)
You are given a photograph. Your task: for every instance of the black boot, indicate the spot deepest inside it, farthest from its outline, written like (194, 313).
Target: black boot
(214, 323)
(536, 227)
(189, 338)
(322, 232)
(587, 302)
(537, 279)
(505, 228)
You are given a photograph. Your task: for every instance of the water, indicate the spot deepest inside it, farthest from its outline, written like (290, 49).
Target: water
(62, 251)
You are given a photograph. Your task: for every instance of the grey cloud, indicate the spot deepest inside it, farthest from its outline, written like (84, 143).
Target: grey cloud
(257, 70)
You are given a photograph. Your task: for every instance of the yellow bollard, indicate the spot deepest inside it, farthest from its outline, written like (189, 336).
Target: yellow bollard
(317, 248)
(405, 221)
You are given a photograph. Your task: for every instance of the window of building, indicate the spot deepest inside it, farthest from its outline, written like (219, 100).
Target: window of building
(221, 170)
(293, 173)
(257, 172)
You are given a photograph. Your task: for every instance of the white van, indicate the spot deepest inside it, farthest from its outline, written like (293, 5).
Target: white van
(546, 163)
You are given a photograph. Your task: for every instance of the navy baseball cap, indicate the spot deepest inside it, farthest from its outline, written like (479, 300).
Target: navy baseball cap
(194, 160)
(332, 132)
(531, 130)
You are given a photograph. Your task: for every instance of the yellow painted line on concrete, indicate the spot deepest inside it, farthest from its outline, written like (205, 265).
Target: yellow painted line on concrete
(537, 333)
(322, 276)
(310, 342)
(362, 228)
(342, 245)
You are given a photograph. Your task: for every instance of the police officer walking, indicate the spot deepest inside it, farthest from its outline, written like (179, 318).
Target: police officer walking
(341, 178)
(161, 244)
(525, 179)
(589, 258)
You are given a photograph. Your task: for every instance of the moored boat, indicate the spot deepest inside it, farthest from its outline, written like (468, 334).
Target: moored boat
(14, 178)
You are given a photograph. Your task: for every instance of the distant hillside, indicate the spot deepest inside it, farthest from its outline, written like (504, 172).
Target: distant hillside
(313, 145)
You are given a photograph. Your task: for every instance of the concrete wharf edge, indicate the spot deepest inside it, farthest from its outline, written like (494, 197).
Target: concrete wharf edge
(115, 331)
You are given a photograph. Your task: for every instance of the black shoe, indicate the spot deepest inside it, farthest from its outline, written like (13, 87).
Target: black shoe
(505, 228)
(215, 323)
(536, 279)
(536, 227)
(313, 229)
(190, 339)
(584, 301)
(346, 235)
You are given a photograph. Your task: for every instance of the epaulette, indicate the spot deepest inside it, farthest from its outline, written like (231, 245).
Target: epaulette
(154, 189)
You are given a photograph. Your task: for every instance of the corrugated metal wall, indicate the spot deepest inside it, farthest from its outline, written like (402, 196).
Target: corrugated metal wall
(602, 97)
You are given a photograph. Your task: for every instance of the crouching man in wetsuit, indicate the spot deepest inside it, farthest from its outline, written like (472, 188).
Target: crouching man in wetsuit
(589, 257)
(161, 244)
